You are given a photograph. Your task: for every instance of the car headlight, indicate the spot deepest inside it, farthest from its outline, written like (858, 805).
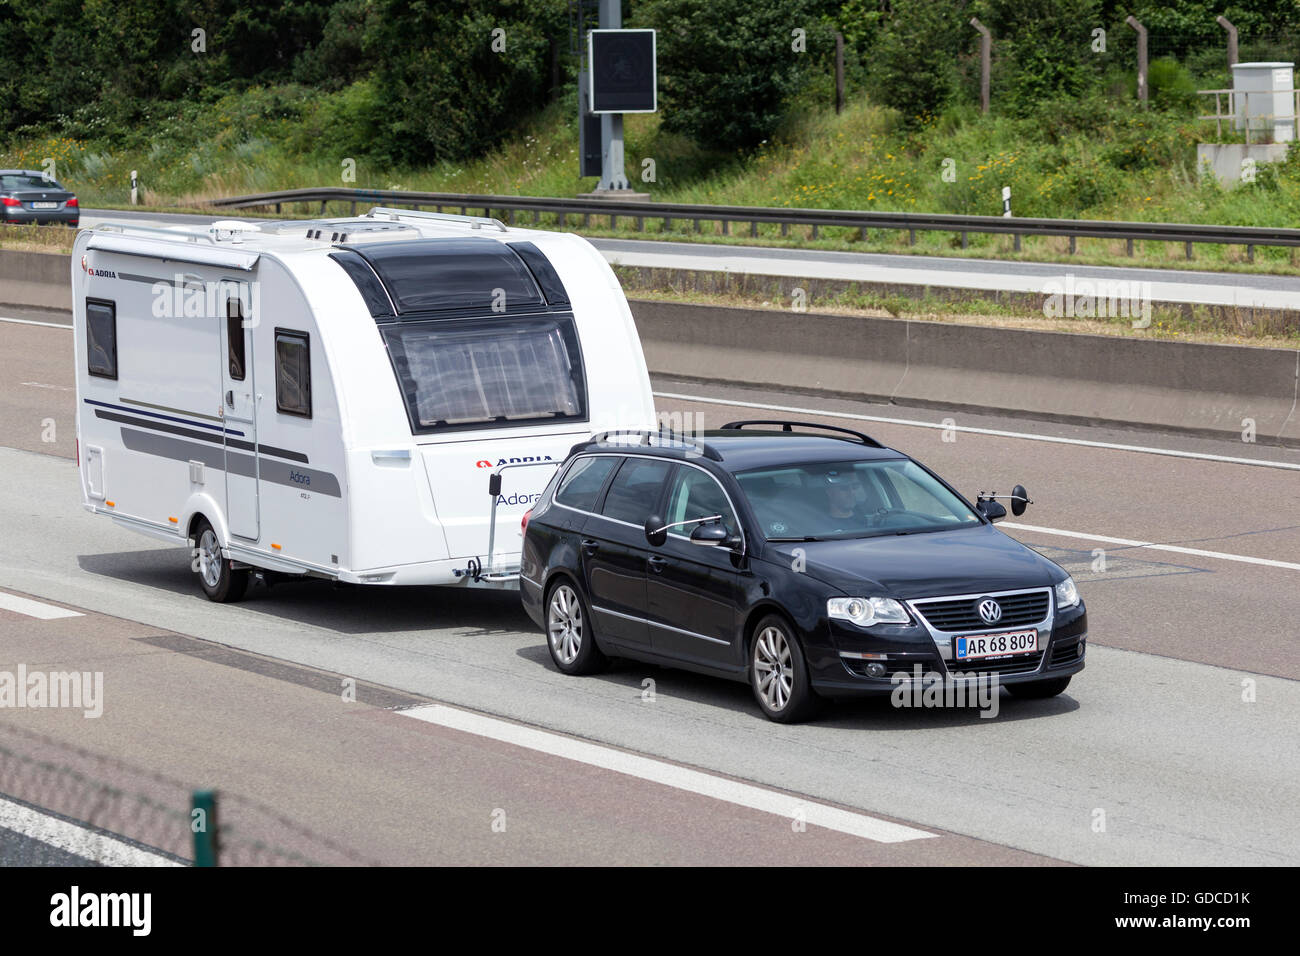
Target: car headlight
(864, 611)
(1067, 595)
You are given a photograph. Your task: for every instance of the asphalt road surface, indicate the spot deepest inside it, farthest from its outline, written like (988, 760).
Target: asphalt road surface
(1175, 746)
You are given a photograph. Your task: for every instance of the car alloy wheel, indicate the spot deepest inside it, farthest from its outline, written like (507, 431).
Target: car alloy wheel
(778, 674)
(775, 666)
(564, 625)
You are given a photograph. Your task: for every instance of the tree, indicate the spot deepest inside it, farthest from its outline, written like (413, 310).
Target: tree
(728, 68)
(451, 84)
(913, 66)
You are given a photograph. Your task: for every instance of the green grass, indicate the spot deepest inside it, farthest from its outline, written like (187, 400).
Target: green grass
(1097, 159)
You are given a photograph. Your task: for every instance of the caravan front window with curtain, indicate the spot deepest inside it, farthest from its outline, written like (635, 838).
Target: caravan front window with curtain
(486, 373)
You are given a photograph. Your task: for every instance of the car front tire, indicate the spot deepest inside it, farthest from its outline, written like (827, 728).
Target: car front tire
(569, 635)
(1038, 689)
(778, 674)
(219, 580)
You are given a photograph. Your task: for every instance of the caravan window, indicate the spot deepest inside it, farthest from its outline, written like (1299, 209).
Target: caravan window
(235, 339)
(485, 373)
(292, 373)
(101, 338)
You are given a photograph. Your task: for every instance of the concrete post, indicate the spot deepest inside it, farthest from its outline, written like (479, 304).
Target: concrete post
(1142, 56)
(986, 61)
(1232, 39)
(839, 72)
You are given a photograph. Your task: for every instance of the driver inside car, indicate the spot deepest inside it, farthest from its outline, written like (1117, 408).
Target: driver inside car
(844, 496)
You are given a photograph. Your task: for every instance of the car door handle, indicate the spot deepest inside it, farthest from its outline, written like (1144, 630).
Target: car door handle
(230, 399)
(590, 547)
(658, 563)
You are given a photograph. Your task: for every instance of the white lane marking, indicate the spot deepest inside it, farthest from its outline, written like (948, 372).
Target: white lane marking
(669, 775)
(995, 432)
(22, 605)
(61, 388)
(48, 325)
(1176, 549)
(78, 840)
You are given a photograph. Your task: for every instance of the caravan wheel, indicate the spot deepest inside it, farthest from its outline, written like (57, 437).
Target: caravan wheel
(219, 580)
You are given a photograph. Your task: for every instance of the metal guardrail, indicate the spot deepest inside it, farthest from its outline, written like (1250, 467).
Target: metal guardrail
(1074, 229)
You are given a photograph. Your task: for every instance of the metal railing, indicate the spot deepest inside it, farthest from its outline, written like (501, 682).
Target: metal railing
(1263, 125)
(568, 211)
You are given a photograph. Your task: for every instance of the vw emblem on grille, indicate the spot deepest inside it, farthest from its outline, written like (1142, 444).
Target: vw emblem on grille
(990, 610)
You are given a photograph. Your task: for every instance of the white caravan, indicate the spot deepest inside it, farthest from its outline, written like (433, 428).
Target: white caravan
(331, 397)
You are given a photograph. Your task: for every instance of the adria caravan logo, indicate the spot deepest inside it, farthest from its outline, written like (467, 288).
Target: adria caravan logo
(101, 273)
(484, 463)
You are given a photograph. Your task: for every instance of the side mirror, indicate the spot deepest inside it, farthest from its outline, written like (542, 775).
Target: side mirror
(655, 532)
(992, 510)
(1019, 500)
(709, 535)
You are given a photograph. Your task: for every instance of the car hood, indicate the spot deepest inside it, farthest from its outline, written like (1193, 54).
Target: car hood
(960, 561)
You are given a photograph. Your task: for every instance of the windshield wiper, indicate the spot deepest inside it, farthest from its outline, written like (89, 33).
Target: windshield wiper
(804, 538)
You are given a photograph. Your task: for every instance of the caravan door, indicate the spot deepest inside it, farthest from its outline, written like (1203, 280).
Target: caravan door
(239, 409)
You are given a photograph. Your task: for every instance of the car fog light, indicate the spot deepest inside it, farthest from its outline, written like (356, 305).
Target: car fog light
(875, 670)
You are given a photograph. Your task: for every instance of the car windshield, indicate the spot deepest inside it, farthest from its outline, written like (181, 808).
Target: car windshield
(851, 499)
(25, 181)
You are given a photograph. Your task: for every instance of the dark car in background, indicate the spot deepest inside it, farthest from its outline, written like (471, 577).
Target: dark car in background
(808, 565)
(27, 196)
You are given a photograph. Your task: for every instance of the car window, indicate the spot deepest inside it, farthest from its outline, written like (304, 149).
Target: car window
(582, 484)
(851, 499)
(696, 494)
(27, 182)
(635, 490)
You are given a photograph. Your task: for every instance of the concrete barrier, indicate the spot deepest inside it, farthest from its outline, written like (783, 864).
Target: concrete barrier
(1061, 376)
(1200, 389)
(36, 279)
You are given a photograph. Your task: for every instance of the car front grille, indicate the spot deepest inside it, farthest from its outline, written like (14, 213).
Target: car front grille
(962, 614)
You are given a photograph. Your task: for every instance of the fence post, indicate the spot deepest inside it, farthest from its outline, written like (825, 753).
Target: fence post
(203, 822)
(839, 72)
(1232, 38)
(986, 60)
(1142, 56)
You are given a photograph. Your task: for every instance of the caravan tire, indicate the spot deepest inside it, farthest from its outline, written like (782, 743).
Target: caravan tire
(220, 582)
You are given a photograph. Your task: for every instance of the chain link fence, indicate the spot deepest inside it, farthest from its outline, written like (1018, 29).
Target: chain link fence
(64, 806)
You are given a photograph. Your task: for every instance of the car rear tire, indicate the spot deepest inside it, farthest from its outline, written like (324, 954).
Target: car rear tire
(778, 674)
(569, 636)
(1039, 688)
(217, 576)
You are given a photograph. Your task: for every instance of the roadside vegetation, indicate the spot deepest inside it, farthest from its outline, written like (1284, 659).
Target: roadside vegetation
(287, 95)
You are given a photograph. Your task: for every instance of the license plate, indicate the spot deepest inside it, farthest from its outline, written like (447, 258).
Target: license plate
(1005, 644)
(45, 205)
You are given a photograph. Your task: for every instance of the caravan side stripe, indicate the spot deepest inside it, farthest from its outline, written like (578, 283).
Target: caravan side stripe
(166, 418)
(215, 439)
(214, 456)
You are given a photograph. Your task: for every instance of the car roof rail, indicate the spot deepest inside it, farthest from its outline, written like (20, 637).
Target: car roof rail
(661, 438)
(790, 426)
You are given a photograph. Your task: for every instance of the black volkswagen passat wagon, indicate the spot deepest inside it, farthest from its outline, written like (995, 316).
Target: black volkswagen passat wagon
(809, 565)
